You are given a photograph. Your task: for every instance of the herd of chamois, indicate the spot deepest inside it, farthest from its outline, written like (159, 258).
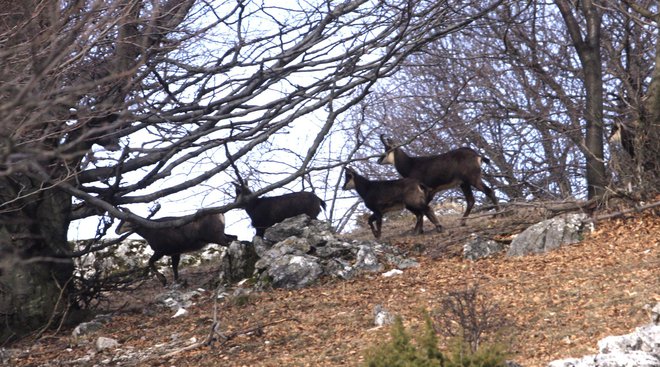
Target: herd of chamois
(422, 178)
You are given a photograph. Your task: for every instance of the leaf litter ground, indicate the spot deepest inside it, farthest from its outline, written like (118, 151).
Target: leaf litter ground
(557, 305)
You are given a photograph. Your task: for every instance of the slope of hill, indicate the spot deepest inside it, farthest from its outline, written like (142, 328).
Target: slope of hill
(557, 305)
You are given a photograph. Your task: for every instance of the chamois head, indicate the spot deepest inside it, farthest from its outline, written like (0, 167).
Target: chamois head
(243, 193)
(388, 156)
(624, 134)
(349, 179)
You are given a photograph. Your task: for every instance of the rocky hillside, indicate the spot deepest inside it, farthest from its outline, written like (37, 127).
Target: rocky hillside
(555, 305)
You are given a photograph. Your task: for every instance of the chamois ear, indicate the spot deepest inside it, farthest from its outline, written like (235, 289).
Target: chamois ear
(388, 143)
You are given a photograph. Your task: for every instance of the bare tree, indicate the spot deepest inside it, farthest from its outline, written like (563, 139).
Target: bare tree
(474, 88)
(109, 103)
(632, 30)
(585, 35)
(527, 87)
(70, 70)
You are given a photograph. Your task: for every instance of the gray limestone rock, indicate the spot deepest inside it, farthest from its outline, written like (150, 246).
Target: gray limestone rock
(478, 248)
(367, 260)
(295, 226)
(641, 348)
(632, 358)
(382, 316)
(238, 261)
(299, 250)
(294, 271)
(102, 343)
(550, 234)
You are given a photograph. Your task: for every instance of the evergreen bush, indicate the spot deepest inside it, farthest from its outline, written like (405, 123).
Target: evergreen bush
(404, 350)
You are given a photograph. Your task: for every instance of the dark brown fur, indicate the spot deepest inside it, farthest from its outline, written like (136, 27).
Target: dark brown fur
(267, 211)
(174, 241)
(459, 167)
(384, 196)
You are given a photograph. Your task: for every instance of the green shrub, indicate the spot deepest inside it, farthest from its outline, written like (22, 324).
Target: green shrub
(400, 352)
(403, 351)
(487, 355)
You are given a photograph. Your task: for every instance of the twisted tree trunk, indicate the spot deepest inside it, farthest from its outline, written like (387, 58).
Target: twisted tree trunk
(34, 278)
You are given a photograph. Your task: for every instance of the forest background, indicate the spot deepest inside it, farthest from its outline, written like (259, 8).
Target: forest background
(132, 103)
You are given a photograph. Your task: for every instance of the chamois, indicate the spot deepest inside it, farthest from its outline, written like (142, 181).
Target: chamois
(266, 211)
(625, 135)
(385, 196)
(458, 167)
(173, 241)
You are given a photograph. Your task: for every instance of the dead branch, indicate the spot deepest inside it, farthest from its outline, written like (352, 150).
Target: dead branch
(558, 207)
(636, 209)
(227, 337)
(254, 329)
(54, 314)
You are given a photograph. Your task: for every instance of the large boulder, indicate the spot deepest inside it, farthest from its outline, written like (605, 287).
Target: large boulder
(301, 226)
(550, 234)
(299, 250)
(294, 271)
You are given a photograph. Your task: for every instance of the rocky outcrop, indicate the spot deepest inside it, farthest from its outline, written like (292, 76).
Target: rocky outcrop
(538, 238)
(89, 327)
(237, 261)
(641, 348)
(550, 234)
(297, 252)
(133, 254)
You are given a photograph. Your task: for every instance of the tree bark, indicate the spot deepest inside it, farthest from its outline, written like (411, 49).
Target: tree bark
(33, 219)
(588, 49)
(34, 280)
(650, 123)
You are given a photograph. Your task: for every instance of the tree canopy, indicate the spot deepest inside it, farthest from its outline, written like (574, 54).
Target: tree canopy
(110, 103)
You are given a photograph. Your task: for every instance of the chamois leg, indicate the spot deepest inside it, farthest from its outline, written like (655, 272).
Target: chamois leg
(378, 218)
(152, 266)
(175, 266)
(481, 186)
(260, 231)
(469, 199)
(227, 239)
(419, 225)
(431, 215)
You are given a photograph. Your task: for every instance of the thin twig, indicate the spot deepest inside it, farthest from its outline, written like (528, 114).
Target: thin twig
(52, 316)
(257, 329)
(227, 337)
